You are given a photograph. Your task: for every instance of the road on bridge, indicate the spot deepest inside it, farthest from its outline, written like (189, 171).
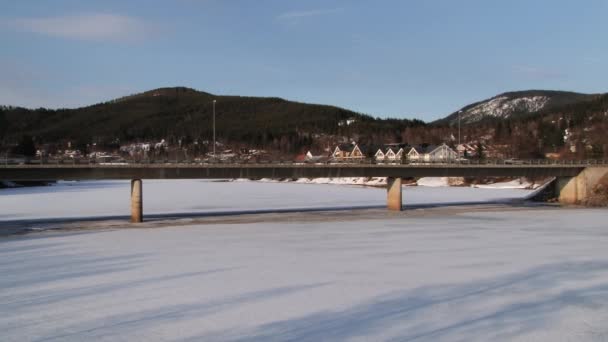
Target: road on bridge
(32, 172)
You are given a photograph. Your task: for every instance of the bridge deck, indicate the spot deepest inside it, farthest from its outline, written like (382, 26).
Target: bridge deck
(256, 171)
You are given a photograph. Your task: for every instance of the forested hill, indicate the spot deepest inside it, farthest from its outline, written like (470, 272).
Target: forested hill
(172, 113)
(527, 124)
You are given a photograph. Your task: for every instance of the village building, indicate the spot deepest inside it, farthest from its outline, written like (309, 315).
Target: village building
(347, 122)
(309, 157)
(348, 152)
(390, 153)
(488, 151)
(431, 153)
(312, 158)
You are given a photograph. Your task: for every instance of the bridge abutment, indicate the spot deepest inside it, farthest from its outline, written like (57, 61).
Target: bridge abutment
(394, 194)
(137, 208)
(578, 189)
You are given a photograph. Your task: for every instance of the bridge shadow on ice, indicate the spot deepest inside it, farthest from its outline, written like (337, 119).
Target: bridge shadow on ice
(20, 225)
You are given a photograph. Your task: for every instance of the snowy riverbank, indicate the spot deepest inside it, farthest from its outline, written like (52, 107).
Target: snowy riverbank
(520, 183)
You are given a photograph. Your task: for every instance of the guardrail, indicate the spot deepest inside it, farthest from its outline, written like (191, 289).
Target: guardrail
(514, 162)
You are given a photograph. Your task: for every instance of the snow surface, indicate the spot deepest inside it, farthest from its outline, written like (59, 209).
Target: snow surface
(537, 275)
(111, 198)
(521, 274)
(514, 184)
(366, 181)
(433, 181)
(424, 181)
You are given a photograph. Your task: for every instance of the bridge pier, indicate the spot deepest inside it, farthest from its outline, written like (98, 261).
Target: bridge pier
(137, 208)
(394, 194)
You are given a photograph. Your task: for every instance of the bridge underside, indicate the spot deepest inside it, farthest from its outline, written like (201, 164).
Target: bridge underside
(42, 173)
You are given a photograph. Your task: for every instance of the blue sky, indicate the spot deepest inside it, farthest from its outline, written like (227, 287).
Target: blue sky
(394, 58)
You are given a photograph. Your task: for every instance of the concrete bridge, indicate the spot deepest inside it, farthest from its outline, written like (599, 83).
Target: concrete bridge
(574, 182)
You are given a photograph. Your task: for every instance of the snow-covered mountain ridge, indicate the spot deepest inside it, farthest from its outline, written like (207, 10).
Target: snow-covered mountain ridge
(503, 107)
(513, 103)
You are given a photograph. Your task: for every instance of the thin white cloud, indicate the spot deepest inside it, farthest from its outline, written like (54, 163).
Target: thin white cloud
(592, 60)
(294, 15)
(95, 27)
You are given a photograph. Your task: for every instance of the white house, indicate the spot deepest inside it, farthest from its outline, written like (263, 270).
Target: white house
(443, 153)
(431, 153)
(388, 154)
(379, 156)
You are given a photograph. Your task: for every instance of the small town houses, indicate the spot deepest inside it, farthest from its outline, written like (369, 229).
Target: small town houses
(395, 153)
(422, 153)
(391, 153)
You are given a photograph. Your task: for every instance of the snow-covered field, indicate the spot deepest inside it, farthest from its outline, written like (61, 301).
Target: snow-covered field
(529, 274)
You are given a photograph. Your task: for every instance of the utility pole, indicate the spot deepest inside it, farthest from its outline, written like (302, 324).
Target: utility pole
(458, 147)
(214, 129)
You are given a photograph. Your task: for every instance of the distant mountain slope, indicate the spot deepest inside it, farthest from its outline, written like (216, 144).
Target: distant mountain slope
(511, 104)
(166, 112)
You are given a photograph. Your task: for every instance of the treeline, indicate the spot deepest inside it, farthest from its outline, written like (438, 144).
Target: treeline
(184, 118)
(186, 115)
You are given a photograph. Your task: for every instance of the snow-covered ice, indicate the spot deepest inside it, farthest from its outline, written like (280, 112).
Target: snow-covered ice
(514, 184)
(433, 181)
(108, 198)
(424, 181)
(527, 274)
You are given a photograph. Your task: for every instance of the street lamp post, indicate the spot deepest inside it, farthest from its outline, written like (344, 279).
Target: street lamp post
(458, 147)
(214, 129)
(459, 112)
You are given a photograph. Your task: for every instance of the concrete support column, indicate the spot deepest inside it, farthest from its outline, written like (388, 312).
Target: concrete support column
(137, 199)
(394, 199)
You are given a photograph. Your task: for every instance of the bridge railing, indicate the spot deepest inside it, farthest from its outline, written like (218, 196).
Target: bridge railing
(20, 160)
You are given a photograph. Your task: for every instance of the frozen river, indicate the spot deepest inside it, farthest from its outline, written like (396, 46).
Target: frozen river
(110, 198)
(503, 273)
